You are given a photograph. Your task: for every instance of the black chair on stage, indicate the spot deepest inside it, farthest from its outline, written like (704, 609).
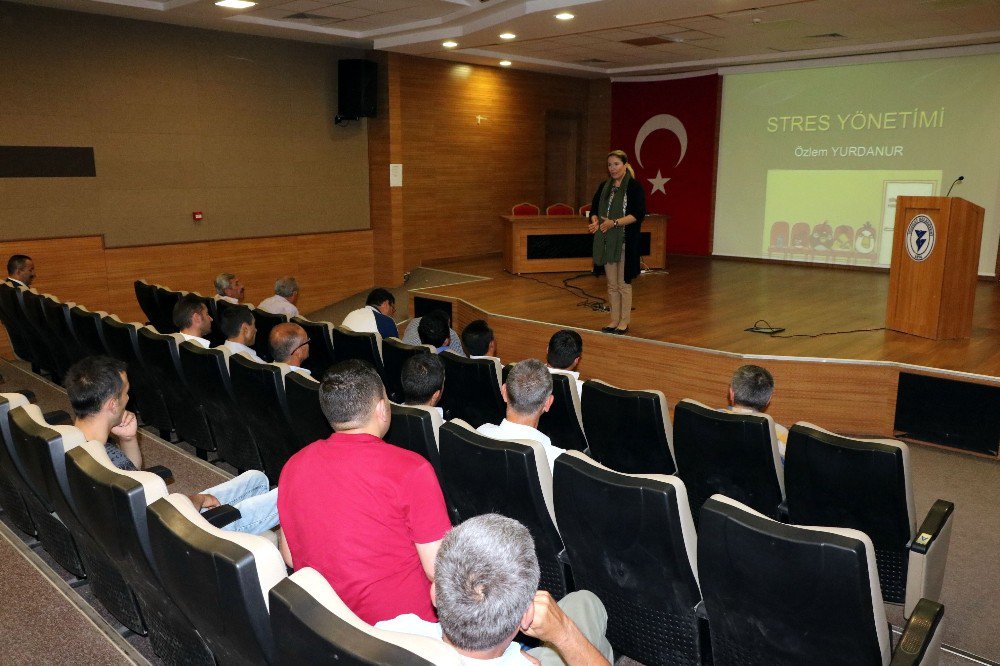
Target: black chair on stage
(10, 316)
(160, 355)
(42, 450)
(628, 431)
(206, 372)
(362, 346)
(472, 389)
(784, 594)
(89, 331)
(311, 625)
(394, 354)
(13, 487)
(260, 391)
(563, 422)
(145, 295)
(865, 485)
(631, 541)
(220, 579)
(265, 322)
(737, 455)
(308, 421)
(113, 503)
(145, 393)
(321, 351)
(481, 475)
(166, 299)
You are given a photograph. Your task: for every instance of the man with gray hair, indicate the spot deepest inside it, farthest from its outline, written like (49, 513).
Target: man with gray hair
(286, 295)
(228, 288)
(486, 590)
(750, 392)
(528, 394)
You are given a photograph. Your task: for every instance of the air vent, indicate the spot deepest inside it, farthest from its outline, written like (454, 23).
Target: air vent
(306, 16)
(593, 61)
(646, 41)
(829, 35)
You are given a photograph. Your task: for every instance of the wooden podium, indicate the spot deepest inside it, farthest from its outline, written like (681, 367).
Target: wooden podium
(935, 261)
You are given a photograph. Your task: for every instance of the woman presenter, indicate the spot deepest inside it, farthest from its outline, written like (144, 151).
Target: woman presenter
(615, 217)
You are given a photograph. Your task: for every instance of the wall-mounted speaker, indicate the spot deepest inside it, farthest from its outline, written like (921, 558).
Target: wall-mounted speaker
(357, 89)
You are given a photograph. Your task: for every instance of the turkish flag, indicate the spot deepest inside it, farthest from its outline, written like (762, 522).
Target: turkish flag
(670, 129)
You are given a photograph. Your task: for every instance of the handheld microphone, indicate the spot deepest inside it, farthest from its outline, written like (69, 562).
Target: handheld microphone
(957, 181)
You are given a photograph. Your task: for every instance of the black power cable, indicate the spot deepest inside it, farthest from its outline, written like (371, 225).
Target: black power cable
(774, 331)
(591, 301)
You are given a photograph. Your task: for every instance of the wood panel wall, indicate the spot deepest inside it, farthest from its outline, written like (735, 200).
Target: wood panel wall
(328, 267)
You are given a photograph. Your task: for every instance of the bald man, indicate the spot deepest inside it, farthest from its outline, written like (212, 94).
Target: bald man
(290, 344)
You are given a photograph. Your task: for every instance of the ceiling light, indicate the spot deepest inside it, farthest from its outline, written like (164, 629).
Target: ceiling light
(565, 16)
(449, 44)
(505, 63)
(235, 4)
(507, 35)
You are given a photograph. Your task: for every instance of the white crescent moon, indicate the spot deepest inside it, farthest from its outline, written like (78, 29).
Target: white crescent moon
(661, 121)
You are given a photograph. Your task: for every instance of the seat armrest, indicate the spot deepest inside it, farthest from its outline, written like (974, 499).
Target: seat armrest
(783, 511)
(58, 417)
(700, 612)
(30, 395)
(928, 556)
(921, 640)
(222, 515)
(162, 472)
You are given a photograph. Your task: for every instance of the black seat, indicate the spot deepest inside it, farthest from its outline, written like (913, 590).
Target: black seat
(89, 331)
(65, 344)
(265, 321)
(160, 355)
(122, 339)
(416, 429)
(13, 487)
(206, 372)
(781, 594)
(865, 485)
(472, 389)
(311, 625)
(628, 431)
(394, 354)
(113, 502)
(362, 346)
(166, 299)
(219, 579)
(10, 316)
(725, 452)
(260, 391)
(480, 475)
(630, 540)
(321, 352)
(308, 421)
(145, 295)
(563, 423)
(47, 349)
(42, 450)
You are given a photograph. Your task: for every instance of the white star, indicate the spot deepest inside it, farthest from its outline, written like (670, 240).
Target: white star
(658, 183)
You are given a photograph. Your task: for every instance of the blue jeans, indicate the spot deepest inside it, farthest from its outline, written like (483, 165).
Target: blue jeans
(250, 493)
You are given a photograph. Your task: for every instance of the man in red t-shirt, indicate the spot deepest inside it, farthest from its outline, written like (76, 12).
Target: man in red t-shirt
(367, 515)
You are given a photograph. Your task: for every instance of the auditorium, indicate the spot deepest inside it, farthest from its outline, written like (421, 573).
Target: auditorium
(517, 331)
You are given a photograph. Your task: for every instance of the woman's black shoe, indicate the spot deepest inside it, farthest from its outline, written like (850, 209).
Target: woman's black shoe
(621, 331)
(609, 329)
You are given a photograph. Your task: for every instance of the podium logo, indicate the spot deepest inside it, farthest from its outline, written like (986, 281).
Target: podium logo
(920, 237)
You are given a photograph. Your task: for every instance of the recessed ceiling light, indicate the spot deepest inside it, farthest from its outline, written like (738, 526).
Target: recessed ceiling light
(235, 4)
(507, 35)
(565, 16)
(449, 44)
(505, 63)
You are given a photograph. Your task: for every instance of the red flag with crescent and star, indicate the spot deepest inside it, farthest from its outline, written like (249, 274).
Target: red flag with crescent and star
(670, 130)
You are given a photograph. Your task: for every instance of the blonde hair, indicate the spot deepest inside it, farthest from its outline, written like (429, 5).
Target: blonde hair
(623, 156)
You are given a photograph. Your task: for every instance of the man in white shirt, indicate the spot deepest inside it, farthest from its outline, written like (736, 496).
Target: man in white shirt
(228, 288)
(565, 351)
(290, 345)
(240, 329)
(286, 295)
(422, 377)
(528, 394)
(20, 271)
(376, 316)
(486, 590)
(192, 319)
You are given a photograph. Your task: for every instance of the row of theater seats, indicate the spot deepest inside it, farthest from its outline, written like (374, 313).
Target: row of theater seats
(205, 596)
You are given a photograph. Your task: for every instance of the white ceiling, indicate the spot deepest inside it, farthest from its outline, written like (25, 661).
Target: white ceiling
(616, 38)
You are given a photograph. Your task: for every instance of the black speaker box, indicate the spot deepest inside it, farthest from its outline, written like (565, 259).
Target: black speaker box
(357, 89)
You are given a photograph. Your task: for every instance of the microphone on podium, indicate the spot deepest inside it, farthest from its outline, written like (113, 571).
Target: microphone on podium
(956, 182)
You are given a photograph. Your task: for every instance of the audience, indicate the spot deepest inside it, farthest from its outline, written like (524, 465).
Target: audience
(20, 271)
(376, 316)
(750, 393)
(228, 288)
(486, 590)
(286, 295)
(423, 381)
(367, 515)
(192, 319)
(528, 393)
(412, 337)
(478, 340)
(290, 344)
(565, 350)
(240, 329)
(98, 391)
(434, 331)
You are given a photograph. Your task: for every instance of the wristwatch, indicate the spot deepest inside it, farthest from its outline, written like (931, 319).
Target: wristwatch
(615, 222)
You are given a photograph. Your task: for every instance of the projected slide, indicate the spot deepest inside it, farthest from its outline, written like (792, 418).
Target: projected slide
(811, 160)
